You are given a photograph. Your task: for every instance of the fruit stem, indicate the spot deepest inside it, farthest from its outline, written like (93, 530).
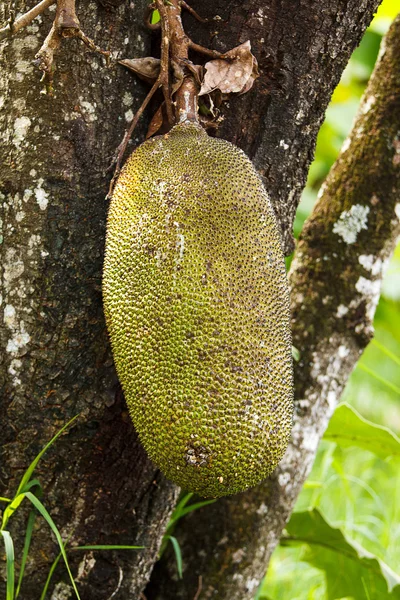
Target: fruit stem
(185, 99)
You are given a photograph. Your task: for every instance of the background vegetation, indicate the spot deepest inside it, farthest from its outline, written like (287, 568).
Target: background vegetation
(349, 509)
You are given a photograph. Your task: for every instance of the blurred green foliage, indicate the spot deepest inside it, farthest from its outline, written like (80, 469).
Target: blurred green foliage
(352, 493)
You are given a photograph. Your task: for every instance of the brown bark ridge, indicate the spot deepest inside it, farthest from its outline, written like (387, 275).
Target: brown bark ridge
(335, 279)
(55, 358)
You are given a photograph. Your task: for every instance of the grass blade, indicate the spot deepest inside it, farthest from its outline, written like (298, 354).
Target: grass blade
(96, 547)
(8, 543)
(28, 473)
(10, 509)
(388, 353)
(2, 499)
(178, 555)
(27, 543)
(49, 576)
(31, 484)
(37, 504)
(188, 509)
(378, 377)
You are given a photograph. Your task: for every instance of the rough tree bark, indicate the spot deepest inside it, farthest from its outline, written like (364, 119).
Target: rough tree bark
(55, 361)
(335, 279)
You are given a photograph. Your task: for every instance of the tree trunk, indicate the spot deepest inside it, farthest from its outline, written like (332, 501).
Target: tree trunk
(100, 487)
(56, 361)
(335, 280)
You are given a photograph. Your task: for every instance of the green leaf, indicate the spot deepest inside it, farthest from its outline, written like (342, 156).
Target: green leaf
(188, 509)
(37, 504)
(28, 473)
(2, 499)
(295, 354)
(49, 576)
(27, 543)
(155, 17)
(8, 543)
(348, 428)
(11, 508)
(349, 569)
(178, 555)
(16, 501)
(379, 378)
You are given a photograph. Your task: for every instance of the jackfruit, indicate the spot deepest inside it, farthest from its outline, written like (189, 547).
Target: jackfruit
(197, 307)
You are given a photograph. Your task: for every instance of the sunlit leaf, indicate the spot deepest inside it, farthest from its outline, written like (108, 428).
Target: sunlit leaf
(348, 428)
(349, 569)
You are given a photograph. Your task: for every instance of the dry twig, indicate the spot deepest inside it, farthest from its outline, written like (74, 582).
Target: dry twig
(200, 587)
(65, 25)
(14, 26)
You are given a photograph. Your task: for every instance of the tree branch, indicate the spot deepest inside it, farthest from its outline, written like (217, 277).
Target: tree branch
(356, 216)
(14, 26)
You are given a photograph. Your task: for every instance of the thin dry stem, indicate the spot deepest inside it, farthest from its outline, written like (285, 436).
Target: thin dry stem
(199, 588)
(165, 59)
(206, 51)
(193, 12)
(122, 147)
(90, 43)
(14, 26)
(66, 19)
(45, 56)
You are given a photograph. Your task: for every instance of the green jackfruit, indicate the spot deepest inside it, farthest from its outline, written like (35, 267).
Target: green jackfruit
(197, 307)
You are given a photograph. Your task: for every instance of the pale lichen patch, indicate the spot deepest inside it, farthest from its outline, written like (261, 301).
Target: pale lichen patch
(351, 222)
(19, 340)
(9, 315)
(13, 266)
(252, 584)
(367, 104)
(41, 195)
(61, 591)
(370, 290)
(127, 99)
(371, 264)
(345, 145)
(128, 116)
(88, 109)
(21, 126)
(238, 556)
(342, 310)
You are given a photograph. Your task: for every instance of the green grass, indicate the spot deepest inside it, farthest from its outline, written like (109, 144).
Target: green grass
(30, 489)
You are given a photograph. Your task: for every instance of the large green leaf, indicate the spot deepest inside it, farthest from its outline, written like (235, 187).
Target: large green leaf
(350, 570)
(348, 428)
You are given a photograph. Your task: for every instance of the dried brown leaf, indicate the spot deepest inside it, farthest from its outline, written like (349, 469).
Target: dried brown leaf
(234, 73)
(156, 122)
(147, 68)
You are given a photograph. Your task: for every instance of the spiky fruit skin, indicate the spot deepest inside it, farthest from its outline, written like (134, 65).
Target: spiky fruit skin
(197, 307)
